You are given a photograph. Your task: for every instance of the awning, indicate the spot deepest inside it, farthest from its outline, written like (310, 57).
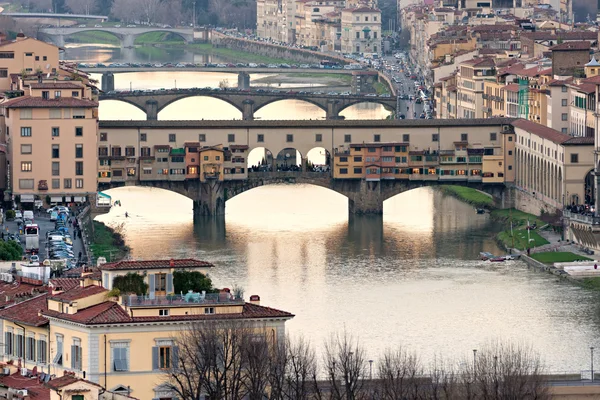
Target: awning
(27, 198)
(56, 199)
(79, 199)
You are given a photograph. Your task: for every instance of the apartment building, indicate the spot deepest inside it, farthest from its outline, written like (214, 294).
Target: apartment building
(127, 344)
(558, 105)
(470, 80)
(51, 141)
(25, 55)
(275, 20)
(582, 106)
(361, 30)
(448, 154)
(318, 23)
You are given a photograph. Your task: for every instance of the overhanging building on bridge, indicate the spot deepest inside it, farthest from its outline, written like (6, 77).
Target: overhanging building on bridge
(370, 160)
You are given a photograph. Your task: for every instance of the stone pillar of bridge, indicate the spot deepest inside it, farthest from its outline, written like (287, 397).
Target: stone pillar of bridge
(128, 41)
(108, 82)
(243, 81)
(248, 110)
(364, 197)
(332, 111)
(210, 200)
(152, 110)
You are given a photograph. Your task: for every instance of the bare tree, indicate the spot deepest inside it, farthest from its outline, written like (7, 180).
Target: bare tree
(126, 10)
(301, 369)
(345, 366)
(255, 354)
(80, 6)
(400, 375)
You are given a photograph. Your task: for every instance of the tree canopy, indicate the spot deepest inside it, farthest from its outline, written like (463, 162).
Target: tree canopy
(130, 283)
(184, 281)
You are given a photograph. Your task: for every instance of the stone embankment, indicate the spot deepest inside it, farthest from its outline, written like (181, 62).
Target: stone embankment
(273, 50)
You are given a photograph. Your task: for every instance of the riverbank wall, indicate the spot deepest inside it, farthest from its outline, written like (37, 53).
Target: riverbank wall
(272, 50)
(517, 198)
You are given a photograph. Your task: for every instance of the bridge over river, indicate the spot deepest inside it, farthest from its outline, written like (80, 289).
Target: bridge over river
(126, 35)
(152, 102)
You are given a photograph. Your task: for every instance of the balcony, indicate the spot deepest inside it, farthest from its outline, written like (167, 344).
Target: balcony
(189, 299)
(586, 219)
(212, 175)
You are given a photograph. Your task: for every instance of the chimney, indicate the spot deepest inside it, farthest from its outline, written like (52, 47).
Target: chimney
(255, 299)
(172, 263)
(20, 36)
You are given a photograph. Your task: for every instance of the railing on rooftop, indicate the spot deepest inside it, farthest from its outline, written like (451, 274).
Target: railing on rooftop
(180, 299)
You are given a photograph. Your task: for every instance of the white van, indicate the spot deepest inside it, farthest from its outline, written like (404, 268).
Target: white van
(28, 215)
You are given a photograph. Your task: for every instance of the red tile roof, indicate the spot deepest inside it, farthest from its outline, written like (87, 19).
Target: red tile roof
(55, 85)
(11, 292)
(110, 312)
(38, 102)
(541, 131)
(583, 45)
(107, 312)
(78, 293)
(65, 380)
(64, 283)
(27, 312)
(586, 87)
(580, 140)
(155, 264)
(35, 389)
(513, 87)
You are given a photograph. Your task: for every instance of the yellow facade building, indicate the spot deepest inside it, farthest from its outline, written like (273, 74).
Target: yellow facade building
(26, 55)
(124, 344)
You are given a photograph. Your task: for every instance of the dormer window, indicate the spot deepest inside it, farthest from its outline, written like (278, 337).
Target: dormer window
(163, 312)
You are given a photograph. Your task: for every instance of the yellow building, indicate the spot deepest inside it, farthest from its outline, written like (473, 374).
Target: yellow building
(27, 55)
(592, 68)
(211, 163)
(124, 344)
(361, 30)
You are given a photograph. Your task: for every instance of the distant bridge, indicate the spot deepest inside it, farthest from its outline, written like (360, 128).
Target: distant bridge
(246, 102)
(52, 15)
(126, 35)
(236, 70)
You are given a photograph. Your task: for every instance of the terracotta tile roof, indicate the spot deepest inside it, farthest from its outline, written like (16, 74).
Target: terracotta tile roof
(64, 283)
(107, 312)
(239, 146)
(38, 102)
(513, 87)
(55, 85)
(586, 87)
(480, 62)
(594, 80)
(583, 45)
(559, 82)
(541, 131)
(10, 291)
(541, 35)
(79, 271)
(65, 380)
(156, 264)
(361, 10)
(110, 312)
(580, 140)
(27, 312)
(35, 389)
(78, 293)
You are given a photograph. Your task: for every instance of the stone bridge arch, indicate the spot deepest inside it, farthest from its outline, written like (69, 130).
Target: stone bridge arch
(183, 37)
(176, 98)
(128, 101)
(349, 103)
(259, 104)
(189, 189)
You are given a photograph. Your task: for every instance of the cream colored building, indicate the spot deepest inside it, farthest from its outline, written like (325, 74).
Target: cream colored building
(551, 165)
(27, 55)
(126, 344)
(361, 30)
(51, 136)
(318, 23)
(275, 20)
(470, 85)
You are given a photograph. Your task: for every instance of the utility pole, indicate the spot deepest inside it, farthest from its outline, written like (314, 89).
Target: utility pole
(194, 15)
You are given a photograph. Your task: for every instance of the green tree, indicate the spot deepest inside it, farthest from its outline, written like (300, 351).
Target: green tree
(130, 283)
(184, 281)
(10, 251)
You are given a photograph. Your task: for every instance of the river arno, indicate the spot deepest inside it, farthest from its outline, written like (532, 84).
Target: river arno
(412, 277)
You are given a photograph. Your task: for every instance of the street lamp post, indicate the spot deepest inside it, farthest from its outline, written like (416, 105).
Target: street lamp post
(370, 370)
(592, 361)
(474, 360)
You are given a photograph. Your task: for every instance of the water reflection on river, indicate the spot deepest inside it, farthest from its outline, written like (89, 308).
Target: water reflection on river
(411, 277)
